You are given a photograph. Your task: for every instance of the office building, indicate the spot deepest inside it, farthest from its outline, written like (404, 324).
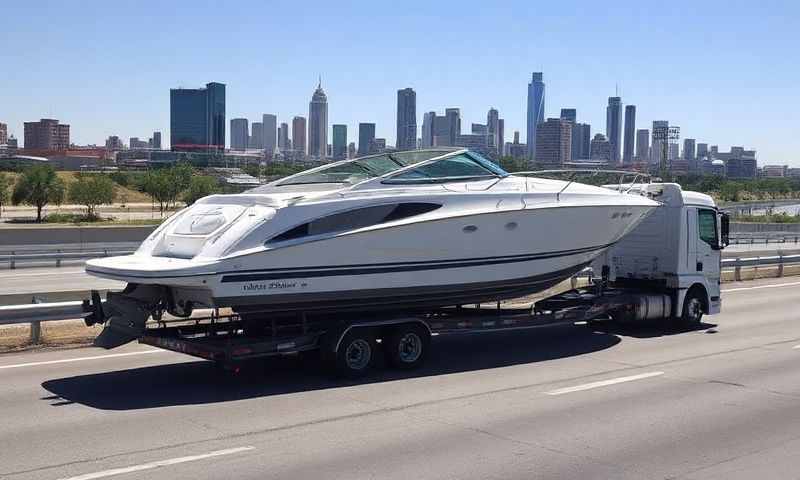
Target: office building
(318, 124)
(702, 150)
(739, 163)
(197, 118)
(600, 149)
(516, 149)
(501, 137)
(240, 134)
(439, 131)
(378, 145)
(135, 144)
(270, 125)
(614, 127)
(453, 116)
(351, 150)
(3, 134)
(299, 136)
(406, 119)
(339, 147)
(689, 149)
(479, 129)
(283, 138)
(366, 138)
(114, 143)
(658, 149)
(642, 145)
(581, 141)
(569, 114)
(494, 131)
(630, 131)
(428, 120)
(256, 136)
(478, 142)
(535, 114)
(46, 134)
(157, 140)
(554, 142)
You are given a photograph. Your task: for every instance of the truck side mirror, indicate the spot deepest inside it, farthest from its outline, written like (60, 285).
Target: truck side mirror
(725, 227)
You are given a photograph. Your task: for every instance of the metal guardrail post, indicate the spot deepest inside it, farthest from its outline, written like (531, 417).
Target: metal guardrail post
(737, 271)
(11, 263)
(780, 263)
(58, 259)
(36, 327)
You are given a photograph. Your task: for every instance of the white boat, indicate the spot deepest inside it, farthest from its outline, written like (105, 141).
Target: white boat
(407, 230)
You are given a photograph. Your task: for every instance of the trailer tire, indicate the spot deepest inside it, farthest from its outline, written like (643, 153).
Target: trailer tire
(355, 355)
(692, 312)
(407, 345)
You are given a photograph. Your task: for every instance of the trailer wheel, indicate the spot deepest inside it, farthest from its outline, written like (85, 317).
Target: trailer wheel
(356, 353)
(692, 314)
(407, 346)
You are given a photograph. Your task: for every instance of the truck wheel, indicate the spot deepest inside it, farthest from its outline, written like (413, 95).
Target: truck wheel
(407, 346)
(692, 314)
(356, 353)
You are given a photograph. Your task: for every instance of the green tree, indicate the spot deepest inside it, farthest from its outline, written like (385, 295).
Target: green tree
(199, 187)
(5, 191)
(38, 186)
(91, 191)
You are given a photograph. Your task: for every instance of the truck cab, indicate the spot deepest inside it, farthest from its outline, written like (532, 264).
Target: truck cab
(676, 251)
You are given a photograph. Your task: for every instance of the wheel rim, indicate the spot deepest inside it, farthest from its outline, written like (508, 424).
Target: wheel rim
(358, 354)
(694, 309)
(409, 348)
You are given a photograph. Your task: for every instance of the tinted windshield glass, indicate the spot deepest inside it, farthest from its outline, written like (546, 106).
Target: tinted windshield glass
(459, 167)
(360, 169)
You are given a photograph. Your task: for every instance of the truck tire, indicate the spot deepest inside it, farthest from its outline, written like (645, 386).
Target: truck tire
(406, 346)
(356, 354)
(692, 314)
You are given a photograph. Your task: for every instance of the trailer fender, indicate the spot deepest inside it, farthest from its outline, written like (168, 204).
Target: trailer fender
(340, 334)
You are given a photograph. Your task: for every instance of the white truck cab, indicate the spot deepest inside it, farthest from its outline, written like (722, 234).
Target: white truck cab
(675, 251)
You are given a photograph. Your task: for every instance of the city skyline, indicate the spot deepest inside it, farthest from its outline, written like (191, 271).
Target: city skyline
(709, 107)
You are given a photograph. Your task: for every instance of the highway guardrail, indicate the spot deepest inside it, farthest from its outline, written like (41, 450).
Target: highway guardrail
(57, 255)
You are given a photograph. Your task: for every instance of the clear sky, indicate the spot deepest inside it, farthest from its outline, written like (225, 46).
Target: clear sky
(727, 72)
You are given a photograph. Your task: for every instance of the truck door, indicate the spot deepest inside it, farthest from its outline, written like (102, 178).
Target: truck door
(708, 251)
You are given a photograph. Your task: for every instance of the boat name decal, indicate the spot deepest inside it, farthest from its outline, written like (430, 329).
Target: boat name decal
(249, 287)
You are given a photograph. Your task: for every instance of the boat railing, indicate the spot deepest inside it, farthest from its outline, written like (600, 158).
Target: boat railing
(574, 172)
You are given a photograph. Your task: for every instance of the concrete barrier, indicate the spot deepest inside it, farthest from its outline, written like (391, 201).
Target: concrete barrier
(741, 227)
(74, 235)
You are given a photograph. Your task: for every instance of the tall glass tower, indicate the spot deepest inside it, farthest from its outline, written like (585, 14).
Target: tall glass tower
(630, 132)
(339, 147)
(535, 111)
(614, 127)
(406, 119)
(197, 118)
(318, 124)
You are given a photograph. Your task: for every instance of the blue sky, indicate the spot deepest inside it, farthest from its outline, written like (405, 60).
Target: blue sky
(726, 72)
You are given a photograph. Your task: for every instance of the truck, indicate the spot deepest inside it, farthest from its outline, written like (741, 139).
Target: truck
(667, 269)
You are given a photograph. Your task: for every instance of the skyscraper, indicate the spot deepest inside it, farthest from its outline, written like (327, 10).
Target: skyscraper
(535, 111)
(427, 129)
(157, 140)
(554, 142)
(630, 131)
(406, 119)
(197, 118)
(614, 127)
(581, 139)
(239, 133)
(256, 136)
(453, 116)
(366, 138)
(642, 145)
(493, 130)
(569, 114)
(657, 148)
(270, 123)
(501, 138)
(339, 148)
(283, 137)
(600, 149)
(3, 133)
(702, 150)
(299, 136)
(318, 124)
(46, 134)
(688, 149)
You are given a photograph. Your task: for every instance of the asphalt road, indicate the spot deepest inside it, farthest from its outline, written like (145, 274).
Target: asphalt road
(559, 402)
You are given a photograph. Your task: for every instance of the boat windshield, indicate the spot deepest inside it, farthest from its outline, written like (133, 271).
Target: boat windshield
(462, 167)
(364, 168)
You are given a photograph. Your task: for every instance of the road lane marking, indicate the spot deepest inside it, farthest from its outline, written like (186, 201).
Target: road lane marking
(79, 359)
(796, 347)
(603, 383)
(158, 464)
(776, 285)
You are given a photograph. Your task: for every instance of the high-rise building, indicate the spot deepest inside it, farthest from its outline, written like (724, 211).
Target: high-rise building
(702, 150)
(135, 144)
(270, 125)
(453, 116)
(689, 149)
(3, 133)
(46, 134)
(197, 118)
(299, 136)
(351, 150)
(378, 145)
(478, 142)
(614, 127)
(581, 140)
(630, 130)
(114, 143)
(501, 137)
(554, 142)
(256, 136)
(366, 138)
(480, 129)
(515, 149)
(493, 130)
(600, 149)
(657, 145)
(318, 124)
(642, 145)
(535, 111)
(439, 131)
(406, 119)
(428, 120)
(240, 134)
(283, 137)
(339, 147)
(157, 140)
(569, 114)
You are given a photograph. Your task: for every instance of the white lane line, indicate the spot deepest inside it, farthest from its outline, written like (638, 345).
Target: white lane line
(603, 383)
(761, 286)
(796, 347)
(80, 359)
(160, 463)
